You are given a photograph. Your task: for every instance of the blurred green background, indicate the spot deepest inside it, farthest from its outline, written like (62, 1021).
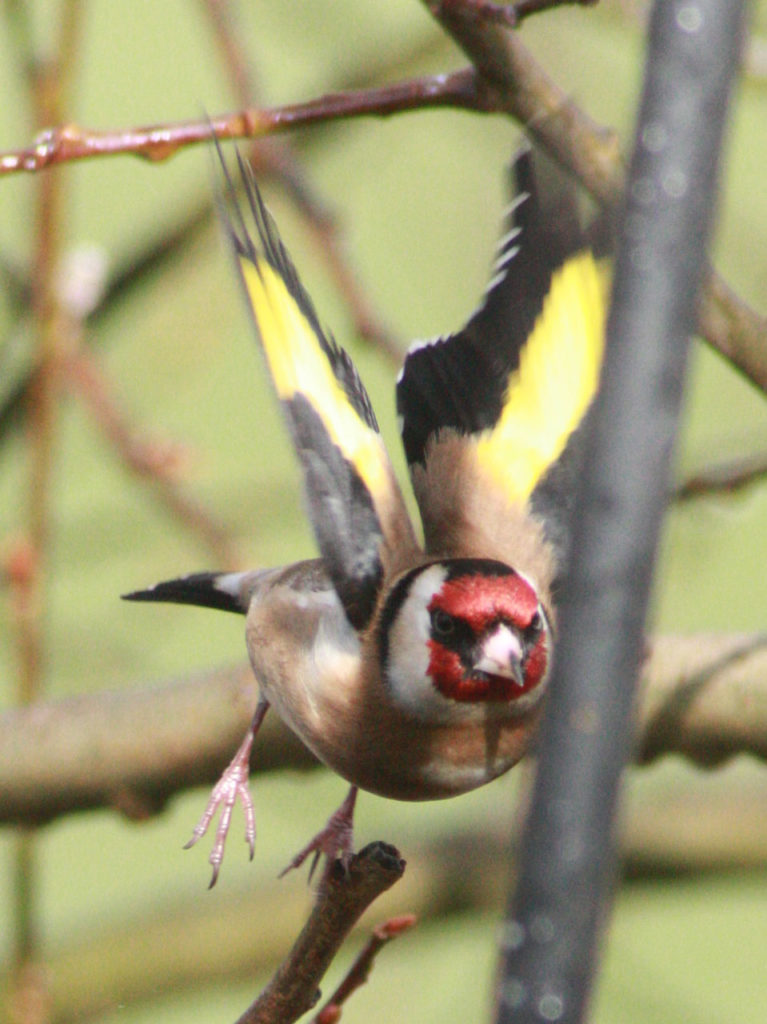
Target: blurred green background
(418, 198)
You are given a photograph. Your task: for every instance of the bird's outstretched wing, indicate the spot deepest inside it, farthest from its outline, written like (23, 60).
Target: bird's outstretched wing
(516, 383)
(354, 501)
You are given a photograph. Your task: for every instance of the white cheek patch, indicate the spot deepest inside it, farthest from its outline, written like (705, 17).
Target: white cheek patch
(407, 668)
(406, 672)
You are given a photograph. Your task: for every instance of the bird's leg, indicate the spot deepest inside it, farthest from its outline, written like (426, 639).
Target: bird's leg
(232, 785)
(335, 839)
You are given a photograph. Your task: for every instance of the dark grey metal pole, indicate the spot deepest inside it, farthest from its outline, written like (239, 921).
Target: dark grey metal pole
(552, 928)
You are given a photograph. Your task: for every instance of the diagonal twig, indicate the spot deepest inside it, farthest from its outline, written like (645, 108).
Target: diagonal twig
(359, 972)
(151, 460)
(725, 477)
(341, 900)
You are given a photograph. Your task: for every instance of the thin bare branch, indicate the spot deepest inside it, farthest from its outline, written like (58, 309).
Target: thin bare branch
(734, 329)
(342, 899)
(723, 478)
(359, 972)
(367, 323)
(124, 281)
(234, 59)
(525, 8)
(155, 461)
(699, 699)
(48, 83)
(29, 599)
(160, 460)
(511, 14)
(68, 142)
(509, 80)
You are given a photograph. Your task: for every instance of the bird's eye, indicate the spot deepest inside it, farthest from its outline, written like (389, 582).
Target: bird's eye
(536, 624)
(442, 624)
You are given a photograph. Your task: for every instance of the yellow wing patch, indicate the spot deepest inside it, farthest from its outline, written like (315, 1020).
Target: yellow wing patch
(299, 366)
(557, 378)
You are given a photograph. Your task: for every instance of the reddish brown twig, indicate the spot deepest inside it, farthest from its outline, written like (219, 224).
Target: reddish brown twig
(233, 56)
(706, 714)
(726, 477)
(160, 460)
(507, 78)
(157, 462)
(366, 322)
(359, 972)
(525, 8)
(47, 83)
(68, 142)
(509, 14)
(342, 899)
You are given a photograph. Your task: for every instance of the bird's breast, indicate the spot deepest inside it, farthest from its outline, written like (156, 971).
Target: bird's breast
(328, 689)
(376, 748)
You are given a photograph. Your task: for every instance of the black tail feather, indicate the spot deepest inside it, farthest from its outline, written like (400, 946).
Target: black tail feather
(206, 589)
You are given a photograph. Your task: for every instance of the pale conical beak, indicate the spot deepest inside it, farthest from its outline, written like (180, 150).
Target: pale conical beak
(501, 655)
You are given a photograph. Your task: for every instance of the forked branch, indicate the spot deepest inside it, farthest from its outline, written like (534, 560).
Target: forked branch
(342, 899)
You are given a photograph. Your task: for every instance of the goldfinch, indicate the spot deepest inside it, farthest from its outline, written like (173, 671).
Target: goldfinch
(416, 670)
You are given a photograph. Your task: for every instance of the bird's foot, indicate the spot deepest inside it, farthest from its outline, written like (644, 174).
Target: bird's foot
(335, 840)
(231, 787)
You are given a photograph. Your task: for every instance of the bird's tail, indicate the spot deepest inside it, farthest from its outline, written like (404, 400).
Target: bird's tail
(227, 591)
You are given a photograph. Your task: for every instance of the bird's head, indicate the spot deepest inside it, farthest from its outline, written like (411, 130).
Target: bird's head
(463, 635)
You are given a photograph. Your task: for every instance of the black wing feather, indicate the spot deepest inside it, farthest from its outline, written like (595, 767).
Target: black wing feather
(354, 502)
(273, 249)
(460, 380)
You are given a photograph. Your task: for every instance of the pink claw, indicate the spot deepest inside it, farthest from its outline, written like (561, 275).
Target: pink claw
(232, 785)
(334, 840)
